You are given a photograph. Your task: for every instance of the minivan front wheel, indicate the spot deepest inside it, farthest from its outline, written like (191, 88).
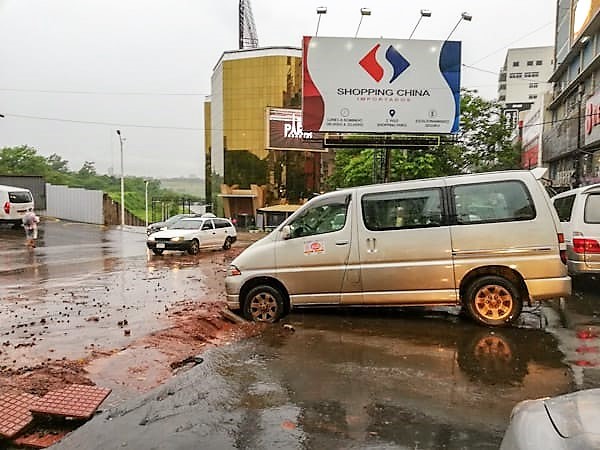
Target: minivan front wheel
(494, 301)
(263, 304)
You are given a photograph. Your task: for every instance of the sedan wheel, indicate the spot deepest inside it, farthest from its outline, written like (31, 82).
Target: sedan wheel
(194, 247)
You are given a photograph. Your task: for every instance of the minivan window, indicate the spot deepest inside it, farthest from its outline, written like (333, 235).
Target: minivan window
(402, 209)
(503, 201)
(564, 207)
(324, 217)
(19, 197)
(592, 209)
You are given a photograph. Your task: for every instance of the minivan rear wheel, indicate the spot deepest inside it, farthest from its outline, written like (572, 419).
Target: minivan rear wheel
(492, 300)
(264, 304)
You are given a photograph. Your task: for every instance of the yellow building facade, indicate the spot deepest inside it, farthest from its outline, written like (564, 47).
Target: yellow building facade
(244, 85)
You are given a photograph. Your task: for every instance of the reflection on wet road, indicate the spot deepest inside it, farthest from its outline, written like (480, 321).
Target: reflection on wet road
(378, 378)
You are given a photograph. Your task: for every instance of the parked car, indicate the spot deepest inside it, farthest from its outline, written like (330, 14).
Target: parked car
(579, 214)
(564, 422)
(14, 203)
(489, 242)
(165, 225)
(193, 233)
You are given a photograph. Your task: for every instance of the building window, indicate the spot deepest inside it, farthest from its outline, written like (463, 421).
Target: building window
(515, 63)
(502, 98)
(516, 75)
(532, 96)
(538, 62)
(502, 87)
(533, 84)
(530, 63)
(531, 75)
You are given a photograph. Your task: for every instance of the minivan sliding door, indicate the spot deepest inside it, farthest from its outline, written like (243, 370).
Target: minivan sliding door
(405, 246)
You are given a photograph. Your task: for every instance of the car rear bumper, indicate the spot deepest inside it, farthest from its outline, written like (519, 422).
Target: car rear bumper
(233, 302)
(547, 288)
(179, 246)
(583, 267)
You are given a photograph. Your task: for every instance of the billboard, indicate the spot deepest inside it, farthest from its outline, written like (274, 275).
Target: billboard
(285, 131)
(380, 85)
(582, 13)
(592, 119)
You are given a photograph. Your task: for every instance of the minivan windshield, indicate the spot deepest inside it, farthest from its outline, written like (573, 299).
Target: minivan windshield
(592, 209)
(20, 197)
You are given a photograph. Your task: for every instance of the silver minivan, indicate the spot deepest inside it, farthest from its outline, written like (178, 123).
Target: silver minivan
(489, 242)
(579, 214)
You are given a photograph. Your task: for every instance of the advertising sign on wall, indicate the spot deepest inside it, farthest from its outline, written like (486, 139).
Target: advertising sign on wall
(592, 119)
(582, 14)
(285, 131)
(381, 85)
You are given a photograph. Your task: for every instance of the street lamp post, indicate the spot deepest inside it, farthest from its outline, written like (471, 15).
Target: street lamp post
(363, 12)
(464, 16)
(122, 182)
(320, 11)
(146, 198)
(424, 13)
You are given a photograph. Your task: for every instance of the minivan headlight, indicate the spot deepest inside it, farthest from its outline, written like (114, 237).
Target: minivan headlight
(233, 271)
(177, 239)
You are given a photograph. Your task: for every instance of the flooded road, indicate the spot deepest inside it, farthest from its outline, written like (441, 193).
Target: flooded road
(347, 379)
(339, 378)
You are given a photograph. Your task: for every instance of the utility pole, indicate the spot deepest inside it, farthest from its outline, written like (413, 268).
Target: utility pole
(122, 183)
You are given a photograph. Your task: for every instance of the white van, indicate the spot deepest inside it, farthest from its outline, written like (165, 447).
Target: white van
(14, 203)
(490, 242)
(579, 214)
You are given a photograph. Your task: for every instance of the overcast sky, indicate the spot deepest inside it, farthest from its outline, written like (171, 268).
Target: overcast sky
(144, 66)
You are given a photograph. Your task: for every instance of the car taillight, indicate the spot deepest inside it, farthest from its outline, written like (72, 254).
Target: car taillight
(562, 247)
(7, 207)
(583, 245)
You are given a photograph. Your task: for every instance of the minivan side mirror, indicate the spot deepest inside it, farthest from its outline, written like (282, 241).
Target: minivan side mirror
(286, 232)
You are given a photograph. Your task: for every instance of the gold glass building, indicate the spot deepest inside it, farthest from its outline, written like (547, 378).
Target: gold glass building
(242, 173)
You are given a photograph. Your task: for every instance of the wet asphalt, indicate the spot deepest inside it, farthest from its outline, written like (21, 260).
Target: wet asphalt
(344, 378)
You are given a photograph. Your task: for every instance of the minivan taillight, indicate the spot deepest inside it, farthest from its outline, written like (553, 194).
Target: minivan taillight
(583, 246)
(562, 247)
(7, 207)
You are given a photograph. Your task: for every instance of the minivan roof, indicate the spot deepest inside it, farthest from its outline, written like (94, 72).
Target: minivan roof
(448, 177)
(12, 188)
(580, 190)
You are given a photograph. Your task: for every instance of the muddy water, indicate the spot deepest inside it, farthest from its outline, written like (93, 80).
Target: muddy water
(346, 379)
(84, 285)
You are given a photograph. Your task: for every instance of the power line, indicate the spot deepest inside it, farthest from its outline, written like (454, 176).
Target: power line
(114, 124)
(512, 42)
(57, 91)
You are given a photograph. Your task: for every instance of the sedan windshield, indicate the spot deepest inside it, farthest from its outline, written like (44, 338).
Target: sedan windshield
(187, 224)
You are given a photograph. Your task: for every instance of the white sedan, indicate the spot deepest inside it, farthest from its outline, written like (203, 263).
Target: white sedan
(192, 234)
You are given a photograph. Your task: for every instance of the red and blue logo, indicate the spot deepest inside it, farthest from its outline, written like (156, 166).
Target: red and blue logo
(372, 67)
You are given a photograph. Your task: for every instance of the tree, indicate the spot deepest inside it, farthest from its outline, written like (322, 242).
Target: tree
(57, 163)
(22, 160)
(483, 144)
(88, 169)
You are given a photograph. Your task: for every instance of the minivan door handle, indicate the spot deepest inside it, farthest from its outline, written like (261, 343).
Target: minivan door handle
(371, 245)
(342, 242)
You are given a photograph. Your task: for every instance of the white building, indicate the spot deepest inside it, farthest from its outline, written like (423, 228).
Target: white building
(524, 77)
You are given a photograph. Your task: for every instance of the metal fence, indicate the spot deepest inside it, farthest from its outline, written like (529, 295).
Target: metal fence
(76, 204)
